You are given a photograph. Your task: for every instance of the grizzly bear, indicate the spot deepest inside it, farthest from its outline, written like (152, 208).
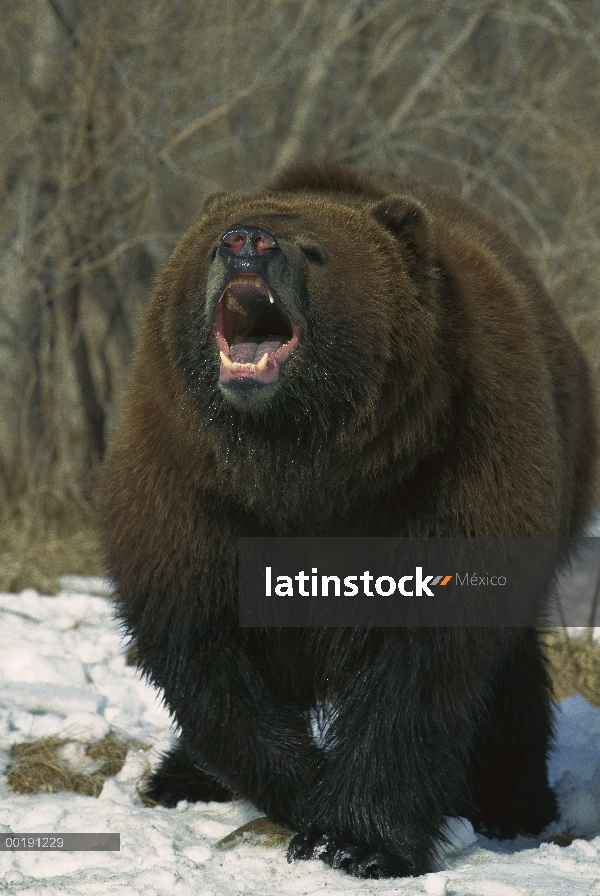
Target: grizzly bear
(345, 354)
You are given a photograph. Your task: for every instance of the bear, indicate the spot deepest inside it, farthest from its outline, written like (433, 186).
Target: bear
(345, 353)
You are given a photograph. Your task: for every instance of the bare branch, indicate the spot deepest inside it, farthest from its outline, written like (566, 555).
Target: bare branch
(432, 72)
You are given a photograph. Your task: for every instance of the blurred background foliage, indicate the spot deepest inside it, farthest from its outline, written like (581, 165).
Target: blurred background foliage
(119, 117)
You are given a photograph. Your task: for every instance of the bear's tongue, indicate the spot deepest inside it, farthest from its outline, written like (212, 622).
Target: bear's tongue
(252, 349)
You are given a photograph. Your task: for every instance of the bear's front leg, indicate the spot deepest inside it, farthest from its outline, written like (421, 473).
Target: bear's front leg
(238, 736)
(397, 752)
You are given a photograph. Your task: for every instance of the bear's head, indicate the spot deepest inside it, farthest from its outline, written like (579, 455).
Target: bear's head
(303, 309)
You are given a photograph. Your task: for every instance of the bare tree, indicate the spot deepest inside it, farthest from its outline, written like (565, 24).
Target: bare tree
(118, 118)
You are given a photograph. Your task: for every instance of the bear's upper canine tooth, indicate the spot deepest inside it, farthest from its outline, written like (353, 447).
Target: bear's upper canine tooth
(263, 362)
(271, 299)
(234, 305)
(226, 361)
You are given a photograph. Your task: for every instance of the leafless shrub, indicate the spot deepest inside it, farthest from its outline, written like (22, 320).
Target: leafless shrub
(119, 117)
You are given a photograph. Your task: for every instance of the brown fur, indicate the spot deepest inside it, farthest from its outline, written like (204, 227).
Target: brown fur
(435, 391)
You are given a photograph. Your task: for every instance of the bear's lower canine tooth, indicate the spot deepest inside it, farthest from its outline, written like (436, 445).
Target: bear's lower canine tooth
(263, 362)
(226, 361)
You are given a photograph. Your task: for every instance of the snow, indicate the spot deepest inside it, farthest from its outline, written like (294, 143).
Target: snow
(63, 671)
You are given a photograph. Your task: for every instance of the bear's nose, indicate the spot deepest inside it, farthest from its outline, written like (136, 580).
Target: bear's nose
(247, 241)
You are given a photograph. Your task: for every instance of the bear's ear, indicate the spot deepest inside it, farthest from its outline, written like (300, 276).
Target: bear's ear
(408, 221)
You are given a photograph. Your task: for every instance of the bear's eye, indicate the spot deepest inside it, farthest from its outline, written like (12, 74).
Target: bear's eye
(313, 253)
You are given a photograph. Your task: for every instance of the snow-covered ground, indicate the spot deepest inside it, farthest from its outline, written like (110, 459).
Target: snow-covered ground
(62, 671)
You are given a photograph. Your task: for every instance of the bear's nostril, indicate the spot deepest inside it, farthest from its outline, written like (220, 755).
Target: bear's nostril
(264, 242)
(248, 241)
(234, 240)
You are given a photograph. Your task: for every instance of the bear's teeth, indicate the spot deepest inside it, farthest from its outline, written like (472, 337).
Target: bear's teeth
(238, 365)
(271, 299)
(244, 278)
(226, 361)
(234, 305)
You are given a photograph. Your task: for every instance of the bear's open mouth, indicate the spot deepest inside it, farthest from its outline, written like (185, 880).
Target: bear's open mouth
(255, 337)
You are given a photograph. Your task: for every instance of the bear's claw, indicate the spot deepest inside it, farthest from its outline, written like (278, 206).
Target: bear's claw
(346, 856)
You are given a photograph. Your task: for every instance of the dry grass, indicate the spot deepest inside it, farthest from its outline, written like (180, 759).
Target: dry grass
(34, 553)
(44, 534)
(53, 764)
(574, 665)
(258, 832)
